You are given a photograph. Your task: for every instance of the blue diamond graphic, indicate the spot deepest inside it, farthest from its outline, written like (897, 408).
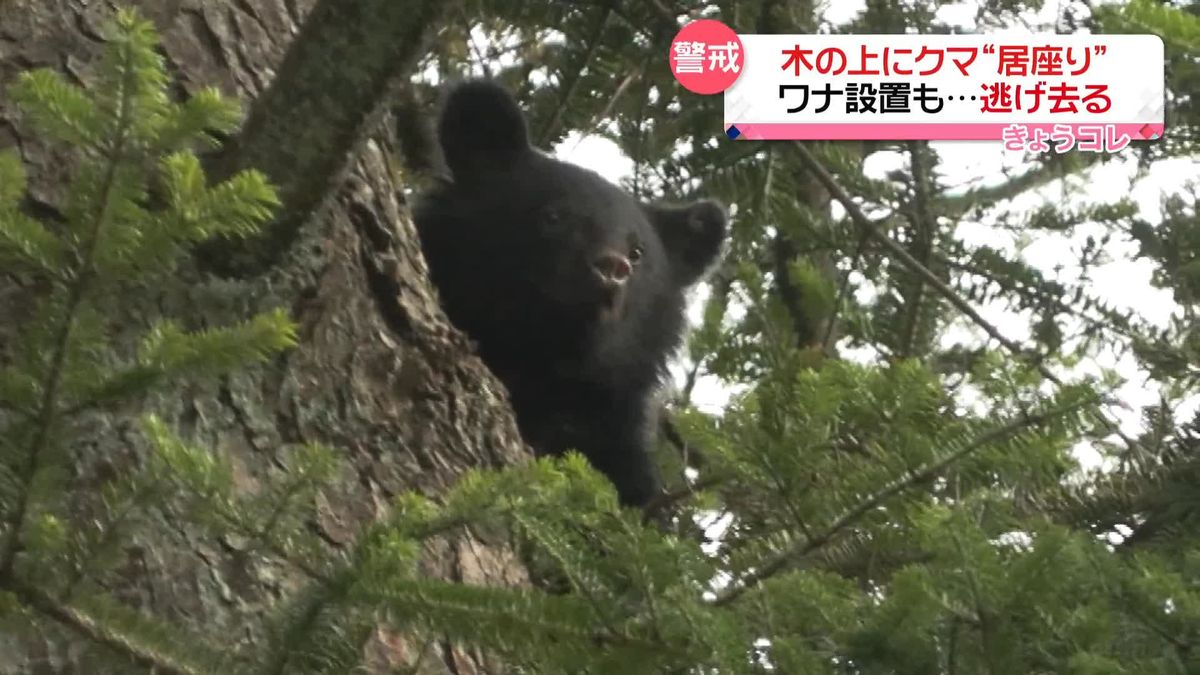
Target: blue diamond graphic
(732, 132)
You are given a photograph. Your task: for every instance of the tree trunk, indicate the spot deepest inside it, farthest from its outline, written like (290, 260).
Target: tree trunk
(379, 374)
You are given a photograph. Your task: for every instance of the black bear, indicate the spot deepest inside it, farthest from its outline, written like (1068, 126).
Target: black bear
(572, 289)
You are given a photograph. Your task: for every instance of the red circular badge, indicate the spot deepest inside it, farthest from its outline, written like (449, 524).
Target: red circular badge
(707, 57)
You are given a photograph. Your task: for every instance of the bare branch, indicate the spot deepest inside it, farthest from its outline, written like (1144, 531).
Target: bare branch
(304, 131)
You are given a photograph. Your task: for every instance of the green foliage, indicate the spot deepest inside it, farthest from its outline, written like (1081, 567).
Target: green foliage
(23, 239)
(1178, 29)
(129, 144)
(919, 508)
(915, 509)
(869, 511)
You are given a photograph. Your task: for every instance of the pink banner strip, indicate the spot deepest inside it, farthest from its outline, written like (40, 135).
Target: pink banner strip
(988, 131)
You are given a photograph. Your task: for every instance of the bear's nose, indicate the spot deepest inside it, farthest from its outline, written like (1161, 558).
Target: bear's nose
(613, 267)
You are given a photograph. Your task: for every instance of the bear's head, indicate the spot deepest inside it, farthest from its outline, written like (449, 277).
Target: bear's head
(554, 247)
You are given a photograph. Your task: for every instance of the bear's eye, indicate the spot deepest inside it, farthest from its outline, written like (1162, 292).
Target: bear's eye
(635, 254)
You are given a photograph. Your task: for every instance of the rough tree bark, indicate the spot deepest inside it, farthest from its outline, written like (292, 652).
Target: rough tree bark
(379, 373)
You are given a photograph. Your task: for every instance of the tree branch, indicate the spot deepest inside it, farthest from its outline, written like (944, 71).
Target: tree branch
(924, 232)
(305, 129)
(782, 559)
(864, 223)
(48, 407)
(984, 197)
(569, 87)
(99, 632)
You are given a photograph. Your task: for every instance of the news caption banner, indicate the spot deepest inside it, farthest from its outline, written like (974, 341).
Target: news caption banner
(1039, 92)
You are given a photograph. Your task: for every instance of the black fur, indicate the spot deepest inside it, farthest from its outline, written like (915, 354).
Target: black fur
(524, 250)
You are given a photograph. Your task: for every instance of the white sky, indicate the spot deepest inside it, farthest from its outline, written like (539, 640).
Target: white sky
(1123, 281)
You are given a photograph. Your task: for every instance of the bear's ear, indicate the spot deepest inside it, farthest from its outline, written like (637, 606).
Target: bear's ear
(692, 235)
(481, 128)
